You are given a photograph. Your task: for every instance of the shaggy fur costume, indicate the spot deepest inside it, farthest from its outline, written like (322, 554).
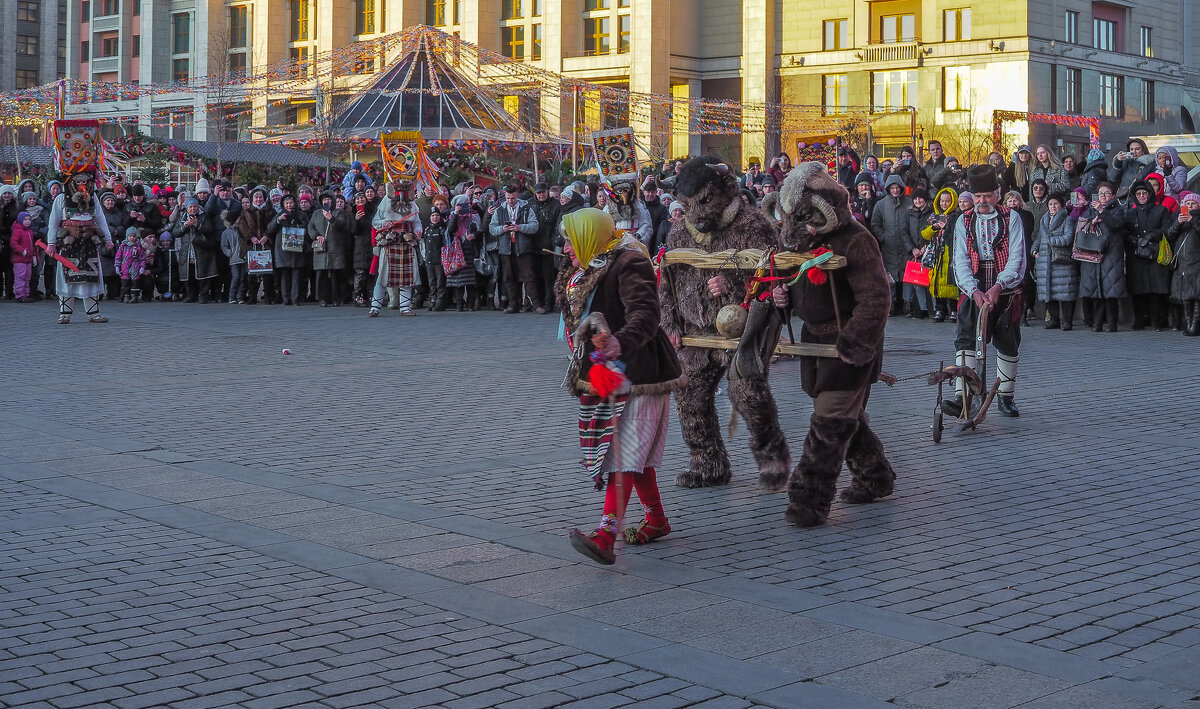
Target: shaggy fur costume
(815, 213)
(716, 218)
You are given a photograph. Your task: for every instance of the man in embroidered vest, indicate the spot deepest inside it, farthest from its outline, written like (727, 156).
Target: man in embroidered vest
(989, 265)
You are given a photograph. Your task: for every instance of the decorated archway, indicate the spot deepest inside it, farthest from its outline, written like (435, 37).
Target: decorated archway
(999, 118)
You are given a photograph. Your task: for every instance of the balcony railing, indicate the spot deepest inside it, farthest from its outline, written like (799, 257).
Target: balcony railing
(893, 52)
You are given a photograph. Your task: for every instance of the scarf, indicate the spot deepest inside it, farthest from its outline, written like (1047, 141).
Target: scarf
(591, 232)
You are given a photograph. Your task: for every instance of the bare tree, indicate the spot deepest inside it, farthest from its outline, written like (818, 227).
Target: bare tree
(332, 133)
(223, 89)
(969, 136)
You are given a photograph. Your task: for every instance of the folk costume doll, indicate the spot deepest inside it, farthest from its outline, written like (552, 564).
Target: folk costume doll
(623, 370)
(77, 231)
(847, 308)
(398, 229)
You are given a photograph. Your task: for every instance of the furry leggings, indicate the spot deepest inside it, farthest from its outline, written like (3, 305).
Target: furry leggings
(697, 409)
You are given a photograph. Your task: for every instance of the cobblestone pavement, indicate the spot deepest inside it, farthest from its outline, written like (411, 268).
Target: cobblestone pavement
(192, 519)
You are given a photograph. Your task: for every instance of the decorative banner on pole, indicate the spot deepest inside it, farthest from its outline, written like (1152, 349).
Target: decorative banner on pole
(822, 149)
(999, 118)
(616, 154)
(404, 158)
(78, 146)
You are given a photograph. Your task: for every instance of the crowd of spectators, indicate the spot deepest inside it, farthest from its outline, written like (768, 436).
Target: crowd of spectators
(488, 248)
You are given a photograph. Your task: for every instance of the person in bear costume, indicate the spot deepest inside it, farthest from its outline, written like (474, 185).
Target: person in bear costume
(716, 218)
(847, 308)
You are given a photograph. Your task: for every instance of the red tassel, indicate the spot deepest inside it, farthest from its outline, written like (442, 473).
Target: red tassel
(604, 380)
(815, 275)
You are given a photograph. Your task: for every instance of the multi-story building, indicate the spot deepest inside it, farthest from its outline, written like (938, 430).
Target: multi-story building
(1132, 63)
(33, 44)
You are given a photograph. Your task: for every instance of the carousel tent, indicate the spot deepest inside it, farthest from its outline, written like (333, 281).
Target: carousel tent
(422, 92)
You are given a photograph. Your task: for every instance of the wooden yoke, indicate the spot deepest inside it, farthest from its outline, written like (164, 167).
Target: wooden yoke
(750, 259)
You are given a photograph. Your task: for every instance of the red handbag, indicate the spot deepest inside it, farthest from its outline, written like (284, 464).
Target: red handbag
(916, 274)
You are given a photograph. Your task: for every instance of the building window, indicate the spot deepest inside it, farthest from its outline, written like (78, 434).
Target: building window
(435, 13)
(837, 94)
(62, 46)
(27, 44)
(1074, 90)
(893, 90)
(299, 58)
(299, 20)
(27, 78)
(956, 88)
(109, 46)
(179, 70)
(511, 10)
(512, 42)
(1071, 33)
(237, 63)
(182, 32)
(589, 5)
(85, 10)
(535, 51)
(1147, 101)
(897, 28)
(137, 7)
(837, 34)
(623, 3)
(956, 24)
(135, 46)
(237, 26)
(595, 35)
(537, 8)
(85, 51)
(623, 24)
(457, 11)
(1104, 34)
(364, 17)
(1112, 96)
(109, 7)
(1147, 42)
(27, 10)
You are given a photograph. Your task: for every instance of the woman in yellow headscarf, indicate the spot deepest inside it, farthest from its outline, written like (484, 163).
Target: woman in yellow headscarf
(608, 295)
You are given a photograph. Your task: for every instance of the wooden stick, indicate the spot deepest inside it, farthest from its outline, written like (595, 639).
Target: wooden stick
(716, 342)
(745, 259)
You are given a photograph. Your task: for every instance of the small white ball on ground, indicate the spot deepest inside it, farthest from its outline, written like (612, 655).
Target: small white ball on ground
(287, 352)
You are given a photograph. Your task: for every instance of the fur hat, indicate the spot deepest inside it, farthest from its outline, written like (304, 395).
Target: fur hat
(700, 172)
(137, 191)
(806, 175)
(982, 178)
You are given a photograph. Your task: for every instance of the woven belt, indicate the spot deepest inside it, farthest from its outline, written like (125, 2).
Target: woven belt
(829, 327)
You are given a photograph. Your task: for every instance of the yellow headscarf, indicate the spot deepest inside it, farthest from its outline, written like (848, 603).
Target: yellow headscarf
(591, 232)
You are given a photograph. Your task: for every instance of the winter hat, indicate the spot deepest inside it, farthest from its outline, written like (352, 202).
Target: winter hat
(459, 199)
(202, 186)
(356, 165)
(1024, 149)
(1185, 196)
(22, 215)
(165, 236)
(982, 178)
(1095, 154)
(676, 206)
(305, 197)
(1083, 192)
(131, 230)
(275, 192)
(921, 193)
(191, 201)
(864, 179)
(106, 195)
(137, 191)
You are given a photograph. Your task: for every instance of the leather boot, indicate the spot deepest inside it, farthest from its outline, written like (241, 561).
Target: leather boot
(1052, 313)
(1112, 312)
(1193, 318)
